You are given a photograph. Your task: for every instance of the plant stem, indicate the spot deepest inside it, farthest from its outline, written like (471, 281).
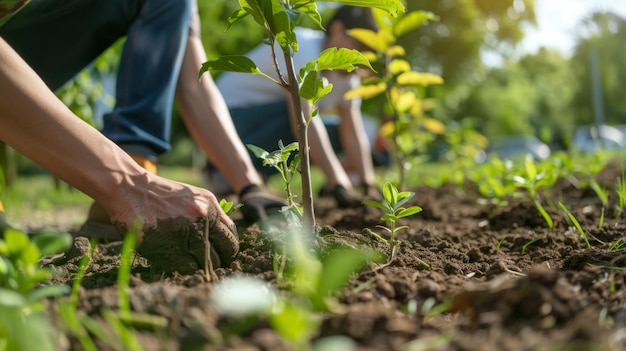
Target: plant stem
(208, 264)
(303, 141)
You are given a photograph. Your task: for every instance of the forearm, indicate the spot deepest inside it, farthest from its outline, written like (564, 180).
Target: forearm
(39, 126)
(206, 115)
(355, 143)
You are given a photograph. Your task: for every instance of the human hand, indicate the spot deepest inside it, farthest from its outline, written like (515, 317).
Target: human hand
(173, 217)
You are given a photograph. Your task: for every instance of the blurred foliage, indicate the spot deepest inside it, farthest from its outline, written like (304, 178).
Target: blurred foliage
(452, 46)
(604, 33)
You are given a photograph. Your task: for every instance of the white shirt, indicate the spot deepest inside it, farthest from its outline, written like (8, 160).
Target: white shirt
(245, 90)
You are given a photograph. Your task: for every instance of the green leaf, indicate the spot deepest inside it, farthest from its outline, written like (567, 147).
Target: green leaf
(52, 243)
(340, 59)
(236, 16)
(255, 10)
(394, 7)
(47, 291)
(231, 63)
(10, 298)
(314, 88)
(30, 255)
(16, 241)
(375, 203)
(294, 322)
(402, 227)
(310, 9)
(337, 268)
(531, 168)
(405, 212)
(390, 193)
(258, 152)
(411, 21)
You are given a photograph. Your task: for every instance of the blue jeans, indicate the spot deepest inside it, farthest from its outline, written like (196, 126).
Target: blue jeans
(58, 38)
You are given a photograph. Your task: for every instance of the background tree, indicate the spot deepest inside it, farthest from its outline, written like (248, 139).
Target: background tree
(604, 33)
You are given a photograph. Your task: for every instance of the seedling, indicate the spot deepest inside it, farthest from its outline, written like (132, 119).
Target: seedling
(393, 210)
(312, 282)
(286, 161)
(530, 242)
(22, 321)
(576, 223)
(532, 180)
(228, 206)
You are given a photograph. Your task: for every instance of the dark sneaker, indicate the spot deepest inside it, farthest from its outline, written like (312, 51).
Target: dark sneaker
(347, 198)
(259, 203)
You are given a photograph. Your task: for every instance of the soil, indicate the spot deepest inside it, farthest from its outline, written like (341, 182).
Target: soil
(509, 282)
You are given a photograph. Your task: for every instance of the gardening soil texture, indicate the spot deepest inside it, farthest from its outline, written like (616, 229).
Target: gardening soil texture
(466, 276)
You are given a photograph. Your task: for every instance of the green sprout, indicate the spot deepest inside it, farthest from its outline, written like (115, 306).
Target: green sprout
(312, 280)
(228, 206)
(617, 246)
(575, 222)
(393, 210)
(533, 180)
(286, 162)
(23, 324)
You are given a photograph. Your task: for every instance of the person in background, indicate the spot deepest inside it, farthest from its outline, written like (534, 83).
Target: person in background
(157, 36)
(262, 113)
(171, 215)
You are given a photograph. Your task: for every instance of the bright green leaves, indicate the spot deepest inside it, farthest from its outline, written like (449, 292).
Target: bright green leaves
(392, 203)
(231, 63)
(339, 59)
(312, 87)
(19, 262)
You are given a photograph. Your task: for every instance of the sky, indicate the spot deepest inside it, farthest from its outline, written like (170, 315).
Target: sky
(557, 20)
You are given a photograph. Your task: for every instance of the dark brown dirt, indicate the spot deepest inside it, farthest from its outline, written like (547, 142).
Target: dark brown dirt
(509, 282)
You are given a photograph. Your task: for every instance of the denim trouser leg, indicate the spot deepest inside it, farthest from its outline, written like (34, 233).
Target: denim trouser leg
(141, 120)
(58, 38)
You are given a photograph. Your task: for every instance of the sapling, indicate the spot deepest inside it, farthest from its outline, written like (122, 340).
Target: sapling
(286, 161)
(279, 18)
(392, 207)
(409, 129)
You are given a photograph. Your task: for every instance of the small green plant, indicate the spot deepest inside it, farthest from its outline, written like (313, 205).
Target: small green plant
(311, 281)
(533, 180)
(617, 246)
(573, 219)
(23, 321)
(493, 179)
(530, 242)
(228, 206)
(392, 207)
(286, 161)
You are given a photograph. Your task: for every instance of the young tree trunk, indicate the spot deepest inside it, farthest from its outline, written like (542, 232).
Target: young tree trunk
(303, 147)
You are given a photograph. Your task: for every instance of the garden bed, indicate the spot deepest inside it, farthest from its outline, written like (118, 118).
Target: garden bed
(508, 282)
